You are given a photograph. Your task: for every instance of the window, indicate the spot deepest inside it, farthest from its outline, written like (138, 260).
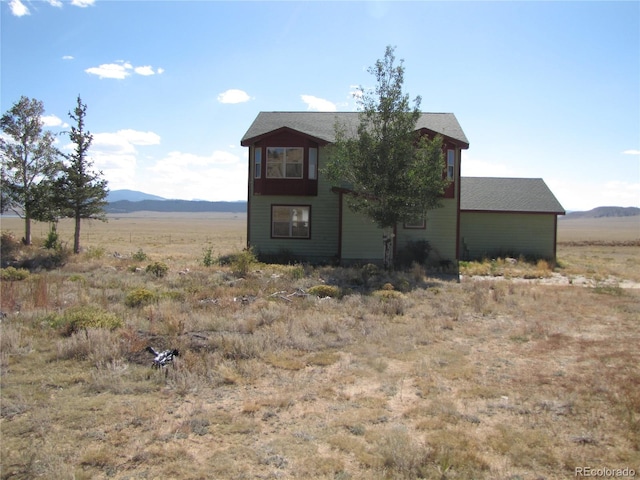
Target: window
(284, 162)
(417, 223)
(313, 163)
(290, 221)
(451, 164)
(257, 169)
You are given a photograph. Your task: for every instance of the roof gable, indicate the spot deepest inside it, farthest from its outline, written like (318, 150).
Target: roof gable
(321, 125)
(526, 195)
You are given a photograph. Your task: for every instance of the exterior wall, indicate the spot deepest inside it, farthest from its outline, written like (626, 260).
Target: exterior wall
(361, 238)
(323, 244)
(440, 232)
(490, 234)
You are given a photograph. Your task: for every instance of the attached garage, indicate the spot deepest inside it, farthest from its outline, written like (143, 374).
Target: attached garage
(507, 217)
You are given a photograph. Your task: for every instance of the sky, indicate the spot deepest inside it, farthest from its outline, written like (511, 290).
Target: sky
(542, 89)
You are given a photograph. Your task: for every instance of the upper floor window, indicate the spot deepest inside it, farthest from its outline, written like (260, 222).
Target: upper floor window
(451, 164)
(285, 162)
(257, 172)
(313, 163)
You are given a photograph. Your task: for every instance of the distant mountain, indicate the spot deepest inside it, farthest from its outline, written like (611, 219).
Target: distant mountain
(131, 195)
(126, 206)
(602, 212)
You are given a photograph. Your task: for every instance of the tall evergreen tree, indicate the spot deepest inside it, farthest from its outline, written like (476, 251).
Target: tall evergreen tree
(394, 173)
(29, 159)
(81, 192)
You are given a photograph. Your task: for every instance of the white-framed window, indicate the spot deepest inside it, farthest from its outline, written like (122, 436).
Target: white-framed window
(451, 164)
(291, 221)
(285, 162)
(313, 163)
(257, 166)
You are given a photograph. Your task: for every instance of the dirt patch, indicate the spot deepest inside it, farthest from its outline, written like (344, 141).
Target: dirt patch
(558, 279)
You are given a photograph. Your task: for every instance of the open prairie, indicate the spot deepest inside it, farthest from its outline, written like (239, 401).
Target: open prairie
(296, 372)
(605, 229)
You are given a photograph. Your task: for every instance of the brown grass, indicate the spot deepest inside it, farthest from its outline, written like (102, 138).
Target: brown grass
(505, 379)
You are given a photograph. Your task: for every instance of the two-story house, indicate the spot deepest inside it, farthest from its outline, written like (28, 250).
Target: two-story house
(293, 208)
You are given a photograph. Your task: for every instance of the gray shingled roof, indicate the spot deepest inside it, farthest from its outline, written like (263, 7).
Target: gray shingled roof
(320, 125)
(527, 195)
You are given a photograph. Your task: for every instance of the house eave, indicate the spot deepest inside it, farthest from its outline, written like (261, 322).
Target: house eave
(527, 212)
(247, 142)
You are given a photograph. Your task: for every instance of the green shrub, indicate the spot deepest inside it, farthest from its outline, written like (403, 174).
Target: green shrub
(11, 274)
(283, 256)
(140, 256)
(140, 297)
(415, 251)
(95, 252)
(158, 269)
(297, 272)
(52, 241)
(207, 256)
(323, 291)
(240, 263)
(84, 317)
(387, 294)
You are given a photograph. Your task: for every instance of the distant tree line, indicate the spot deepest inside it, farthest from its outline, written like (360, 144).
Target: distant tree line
(39, 182)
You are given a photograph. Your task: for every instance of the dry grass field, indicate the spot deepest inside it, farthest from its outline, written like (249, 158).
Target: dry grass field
(295, 372)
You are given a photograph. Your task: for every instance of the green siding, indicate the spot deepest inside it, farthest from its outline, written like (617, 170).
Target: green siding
(361, 238)
(440, 232)
(323, 244)
(499, 234)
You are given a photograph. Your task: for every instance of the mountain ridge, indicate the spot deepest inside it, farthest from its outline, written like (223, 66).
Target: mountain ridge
(127, 201)
(604, 212)
(126, 206)
(130, 195)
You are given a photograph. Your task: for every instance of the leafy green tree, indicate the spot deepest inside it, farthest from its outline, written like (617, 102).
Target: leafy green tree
(81, 193)
(394, 173)
(29, 161)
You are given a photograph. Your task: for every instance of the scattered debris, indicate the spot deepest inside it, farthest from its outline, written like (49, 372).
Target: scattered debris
(163, 358)
(245, 299)
(212, 301)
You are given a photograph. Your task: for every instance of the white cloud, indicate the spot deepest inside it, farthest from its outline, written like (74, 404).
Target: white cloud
(219, 176)
(111, 144)
(318, 104)
(67, 57)
(160, 71)
(116, 155)
(474, 167)
(631, 152)
(120, 70)
(82, 3)
(123, 142)
(145, 71)
(136, 137)
(234, 96)
(18, 8)
(53, 121)
(582, 196)
(110, 70)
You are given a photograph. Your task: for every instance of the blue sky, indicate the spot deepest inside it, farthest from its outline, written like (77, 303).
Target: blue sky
(541, 89)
